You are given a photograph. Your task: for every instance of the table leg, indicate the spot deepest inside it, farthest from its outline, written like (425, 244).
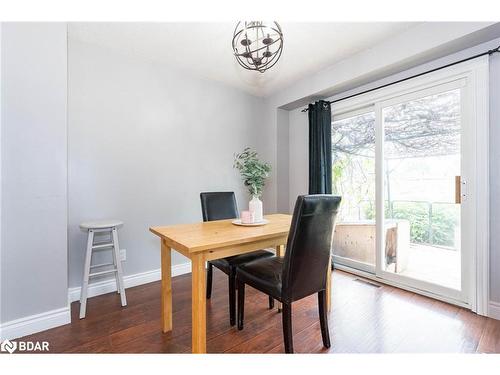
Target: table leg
(329, 286)
(166, 287)
(199, 307)
(280, 252)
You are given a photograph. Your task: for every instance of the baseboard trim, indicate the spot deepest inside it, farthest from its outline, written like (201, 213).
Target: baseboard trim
(494, 310)
(35, 323)
(55, 318)
(109, 285)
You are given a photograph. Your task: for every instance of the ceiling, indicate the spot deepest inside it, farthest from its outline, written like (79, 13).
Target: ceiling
(204, 49)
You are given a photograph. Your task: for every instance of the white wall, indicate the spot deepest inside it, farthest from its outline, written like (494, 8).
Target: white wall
(495, 176)
(298, 156)
(144, 141)
(33, 170)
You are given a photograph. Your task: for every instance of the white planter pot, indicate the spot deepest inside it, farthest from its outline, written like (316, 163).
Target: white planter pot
(255, 206)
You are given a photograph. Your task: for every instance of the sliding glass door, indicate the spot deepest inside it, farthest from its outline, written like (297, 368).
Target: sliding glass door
(353, 163)
(401, 164)
(421, 176)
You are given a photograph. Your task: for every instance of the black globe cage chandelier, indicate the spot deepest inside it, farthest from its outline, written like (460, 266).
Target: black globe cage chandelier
(257, 45)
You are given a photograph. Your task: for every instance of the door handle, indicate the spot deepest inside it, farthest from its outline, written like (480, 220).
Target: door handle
(458, 190)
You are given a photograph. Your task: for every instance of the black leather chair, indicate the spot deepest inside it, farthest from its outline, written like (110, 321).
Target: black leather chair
(221, 206)
(303, 269)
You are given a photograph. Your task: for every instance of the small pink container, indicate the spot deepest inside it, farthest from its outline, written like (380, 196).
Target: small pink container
(247, 217)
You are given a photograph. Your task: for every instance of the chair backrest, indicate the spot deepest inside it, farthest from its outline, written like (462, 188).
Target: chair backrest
(308, 248)
(218, 205)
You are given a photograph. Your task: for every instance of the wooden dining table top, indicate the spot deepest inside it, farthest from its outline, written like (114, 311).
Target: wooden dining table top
(203, 236)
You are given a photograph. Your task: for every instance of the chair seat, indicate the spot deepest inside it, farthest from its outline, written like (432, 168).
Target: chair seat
(101, 224)
(263, 274)
(226, 264)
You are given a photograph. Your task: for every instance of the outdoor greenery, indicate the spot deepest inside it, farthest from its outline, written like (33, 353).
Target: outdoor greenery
(425, 129)
(430, 223)
(253, 171)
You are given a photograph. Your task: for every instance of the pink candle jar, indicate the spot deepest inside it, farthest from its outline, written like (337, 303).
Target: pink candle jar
(247, 217)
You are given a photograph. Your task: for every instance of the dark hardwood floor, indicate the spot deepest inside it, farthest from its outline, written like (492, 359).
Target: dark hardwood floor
(364, 319)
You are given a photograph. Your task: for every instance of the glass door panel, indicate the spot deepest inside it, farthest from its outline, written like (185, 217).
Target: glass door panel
(421, 179)
(353, 164)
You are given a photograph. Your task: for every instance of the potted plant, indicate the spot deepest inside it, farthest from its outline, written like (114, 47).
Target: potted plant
(254, 173)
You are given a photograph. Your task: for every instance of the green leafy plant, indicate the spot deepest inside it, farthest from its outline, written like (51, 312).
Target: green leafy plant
(253, 171)
(434, 227)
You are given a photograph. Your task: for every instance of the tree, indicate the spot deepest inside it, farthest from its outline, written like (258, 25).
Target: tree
(424, 127)
(427, 126)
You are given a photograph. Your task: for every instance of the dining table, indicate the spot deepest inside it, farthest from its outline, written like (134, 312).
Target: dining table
(204, 241)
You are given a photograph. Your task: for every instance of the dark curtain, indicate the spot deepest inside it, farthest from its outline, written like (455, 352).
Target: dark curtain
(320, 148)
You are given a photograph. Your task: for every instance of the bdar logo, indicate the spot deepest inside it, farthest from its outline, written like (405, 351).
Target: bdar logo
(24, 346)
(8, 346)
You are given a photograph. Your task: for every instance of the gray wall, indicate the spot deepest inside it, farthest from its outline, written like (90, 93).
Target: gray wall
(298, 179)
(282, 159)
(1, 122)
(298, 154)
(144, 141)
(33, 169)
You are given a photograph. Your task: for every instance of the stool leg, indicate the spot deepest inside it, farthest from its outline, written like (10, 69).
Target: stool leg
(86, 272)
(115, 262)
(116, 249)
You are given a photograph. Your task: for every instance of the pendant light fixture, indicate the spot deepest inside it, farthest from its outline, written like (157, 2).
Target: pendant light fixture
(257, 45)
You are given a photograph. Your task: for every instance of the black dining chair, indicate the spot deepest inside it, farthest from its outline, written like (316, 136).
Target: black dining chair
(221, 206)
(303, 269)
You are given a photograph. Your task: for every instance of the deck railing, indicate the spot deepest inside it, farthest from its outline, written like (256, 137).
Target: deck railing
(432, 223)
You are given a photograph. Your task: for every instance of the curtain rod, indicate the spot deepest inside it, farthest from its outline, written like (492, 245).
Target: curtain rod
(490, 52)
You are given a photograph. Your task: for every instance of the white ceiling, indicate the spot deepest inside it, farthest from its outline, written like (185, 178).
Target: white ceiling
(204, 49)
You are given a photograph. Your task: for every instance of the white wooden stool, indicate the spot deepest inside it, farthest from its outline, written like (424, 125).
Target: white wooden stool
(107, 226)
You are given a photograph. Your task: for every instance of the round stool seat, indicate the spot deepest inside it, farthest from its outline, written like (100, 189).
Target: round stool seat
(101, 224)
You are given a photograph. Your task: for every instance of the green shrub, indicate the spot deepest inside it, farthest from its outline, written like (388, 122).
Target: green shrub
(444, 219)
